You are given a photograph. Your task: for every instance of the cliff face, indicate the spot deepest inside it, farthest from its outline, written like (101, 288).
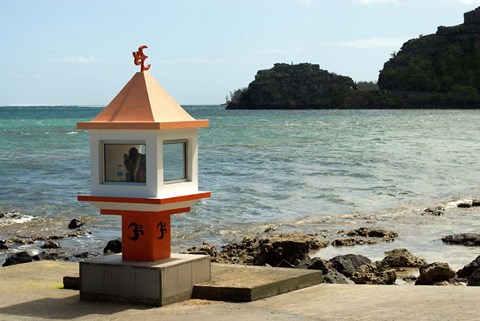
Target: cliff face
(446, 61)
(294, 87)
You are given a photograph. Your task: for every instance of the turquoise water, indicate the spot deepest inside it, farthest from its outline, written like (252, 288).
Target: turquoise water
(315, 171)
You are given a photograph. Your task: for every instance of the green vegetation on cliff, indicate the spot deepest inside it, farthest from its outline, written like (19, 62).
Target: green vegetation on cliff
(447, 61)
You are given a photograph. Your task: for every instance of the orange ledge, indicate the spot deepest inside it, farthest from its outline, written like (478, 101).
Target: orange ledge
(166, 212)
(140, 200)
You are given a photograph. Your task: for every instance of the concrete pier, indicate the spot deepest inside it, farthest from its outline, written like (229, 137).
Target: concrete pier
(33, 291)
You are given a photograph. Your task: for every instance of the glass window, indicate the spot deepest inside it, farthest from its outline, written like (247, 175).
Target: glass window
(124, 162)
(174, 161)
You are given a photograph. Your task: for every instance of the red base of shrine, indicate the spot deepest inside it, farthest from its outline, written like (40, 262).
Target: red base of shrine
(145, 237)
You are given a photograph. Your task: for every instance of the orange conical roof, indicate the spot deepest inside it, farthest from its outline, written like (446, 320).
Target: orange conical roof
(143, 104)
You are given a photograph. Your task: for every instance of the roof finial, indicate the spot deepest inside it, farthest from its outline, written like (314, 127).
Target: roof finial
(139, 58)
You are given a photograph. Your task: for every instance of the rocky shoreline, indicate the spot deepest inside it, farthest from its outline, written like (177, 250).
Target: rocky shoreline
(291, 250)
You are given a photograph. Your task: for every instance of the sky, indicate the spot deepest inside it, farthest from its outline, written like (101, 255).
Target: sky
(79, 52)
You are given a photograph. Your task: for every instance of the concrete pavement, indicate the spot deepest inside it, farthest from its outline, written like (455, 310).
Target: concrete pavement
(33, 291)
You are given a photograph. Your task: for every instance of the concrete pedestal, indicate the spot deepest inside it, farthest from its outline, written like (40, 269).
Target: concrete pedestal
(152, 283)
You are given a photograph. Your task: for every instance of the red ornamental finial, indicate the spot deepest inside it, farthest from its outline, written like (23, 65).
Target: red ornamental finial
(139, 58)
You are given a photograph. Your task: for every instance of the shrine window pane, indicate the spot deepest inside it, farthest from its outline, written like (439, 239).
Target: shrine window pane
(124, 162)
(175, 161)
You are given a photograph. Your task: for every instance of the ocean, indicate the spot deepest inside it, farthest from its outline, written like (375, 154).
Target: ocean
(310, 171)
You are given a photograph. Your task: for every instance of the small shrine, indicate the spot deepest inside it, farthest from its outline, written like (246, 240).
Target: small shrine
(144, 168)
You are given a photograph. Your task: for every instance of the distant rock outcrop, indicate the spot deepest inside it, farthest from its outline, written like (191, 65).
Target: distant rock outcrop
(300, 86)
(446, 62)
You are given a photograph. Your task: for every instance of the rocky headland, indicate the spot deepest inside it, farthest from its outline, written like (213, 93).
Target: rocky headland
(440, 70)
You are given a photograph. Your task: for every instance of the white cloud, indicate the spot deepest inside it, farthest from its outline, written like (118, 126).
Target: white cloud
(369, 43)
(75, 59)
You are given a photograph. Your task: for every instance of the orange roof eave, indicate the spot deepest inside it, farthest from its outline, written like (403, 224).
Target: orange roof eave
(133, 125)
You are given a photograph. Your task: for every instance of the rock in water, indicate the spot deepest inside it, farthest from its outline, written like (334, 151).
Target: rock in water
(374, 232)
(467, 239)
(374, 273)
(75, 224)
(113, 246)
(51, 245)
(349, 263)
(299, 86)
(434, 273)
(435, 211)
(18, 258)
(402, 258)
(52, 256)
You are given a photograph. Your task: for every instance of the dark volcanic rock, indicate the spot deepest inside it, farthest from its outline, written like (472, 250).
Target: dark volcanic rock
(272, 250)
(113, 246)
(52, 256)
(293, 87)
(319, 264)
(476, 202)
(84, 255)
(349, 263)
(335, 277)
(402, 258)
(286, 249)
(51, 245)
(75, 223)
(3, 245)
(435, 211)
(352, 242)
(365, 235)
(468, 269)
(474, 278)
(18, 258)
(434, 273)
(330, 275)
(465, 204)
(205, 249)
(386, 235)
(374, 273)
(467, 239)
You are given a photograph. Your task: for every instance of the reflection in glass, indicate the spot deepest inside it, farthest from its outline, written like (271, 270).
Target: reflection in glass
(125, 163)
(174, 161)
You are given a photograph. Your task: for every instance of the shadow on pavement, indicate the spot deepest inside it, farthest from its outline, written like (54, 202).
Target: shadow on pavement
(67, 308)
